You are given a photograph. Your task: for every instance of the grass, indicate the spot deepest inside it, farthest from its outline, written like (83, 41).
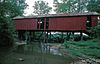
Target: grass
(90, 48)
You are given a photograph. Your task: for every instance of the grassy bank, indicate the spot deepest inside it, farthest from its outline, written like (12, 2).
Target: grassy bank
(90, 48)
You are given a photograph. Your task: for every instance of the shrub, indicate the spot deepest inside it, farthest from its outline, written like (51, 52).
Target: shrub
(96, 31)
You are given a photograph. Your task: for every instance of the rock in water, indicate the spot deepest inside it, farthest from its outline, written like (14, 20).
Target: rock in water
(20, 59)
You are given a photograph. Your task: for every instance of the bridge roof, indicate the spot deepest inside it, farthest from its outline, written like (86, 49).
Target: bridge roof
(59, 15)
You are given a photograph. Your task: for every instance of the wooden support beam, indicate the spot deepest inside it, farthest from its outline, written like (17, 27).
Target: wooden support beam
(73, 36)
(62, 37)
(81, 35)
(26, 37)
(50, 37)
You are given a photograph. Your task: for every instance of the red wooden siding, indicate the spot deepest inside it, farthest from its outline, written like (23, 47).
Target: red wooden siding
(26, 24)
(94, 20)
(44, 24)
(68, 23)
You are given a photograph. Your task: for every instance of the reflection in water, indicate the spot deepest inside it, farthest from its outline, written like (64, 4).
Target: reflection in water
(50, 48)
(55, 51)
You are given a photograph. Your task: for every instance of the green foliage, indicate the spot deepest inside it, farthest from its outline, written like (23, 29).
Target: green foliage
(12, 8)
(6, 34)
(77, 6)
(70, 6)
(90, 48)
(8, 10)
(41, 7)
(94, 6)
(97, 28)
(96, 31)
(63, 6)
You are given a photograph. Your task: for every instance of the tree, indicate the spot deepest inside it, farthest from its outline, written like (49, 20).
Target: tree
(94, 6)
(70, 6)
(64, 6)
(8, 10)
(96, 31)
(77, 6)
(41, 7)
(12, 8)
(81, 5)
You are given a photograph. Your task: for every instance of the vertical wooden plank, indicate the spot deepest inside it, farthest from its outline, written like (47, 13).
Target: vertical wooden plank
(94, 20)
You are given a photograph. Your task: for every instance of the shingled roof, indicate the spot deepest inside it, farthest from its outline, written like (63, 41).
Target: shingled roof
(58, 15)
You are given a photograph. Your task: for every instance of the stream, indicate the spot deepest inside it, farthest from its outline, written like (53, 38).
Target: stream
(35, 54)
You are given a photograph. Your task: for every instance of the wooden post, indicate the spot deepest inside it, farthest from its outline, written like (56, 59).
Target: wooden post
(50, 37)
(33, 36)
(21, 35)
(62, 37)
(69, 33)
(26, 37)
(29, 37)
(73, 36)
(81, 35)
(47, 45)
(47, 37)
(67, 36)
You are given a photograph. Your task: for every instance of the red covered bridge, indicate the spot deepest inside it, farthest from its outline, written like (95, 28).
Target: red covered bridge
(57, 22)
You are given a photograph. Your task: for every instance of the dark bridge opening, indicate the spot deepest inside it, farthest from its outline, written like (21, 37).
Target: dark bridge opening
(40, 23)
(88, 23)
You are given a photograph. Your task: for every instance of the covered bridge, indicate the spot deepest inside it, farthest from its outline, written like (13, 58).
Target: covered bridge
(73, 22)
